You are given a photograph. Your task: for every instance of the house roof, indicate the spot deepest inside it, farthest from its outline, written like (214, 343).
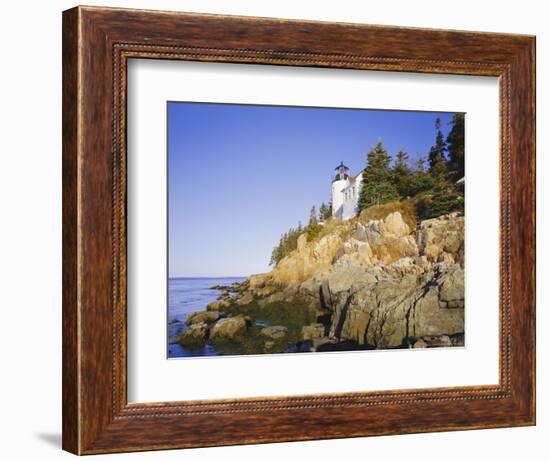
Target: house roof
(352, 180)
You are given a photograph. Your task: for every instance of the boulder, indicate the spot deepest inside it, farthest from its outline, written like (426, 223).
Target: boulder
(437, 341)
(420, 344)
(387, 240)
(313, 331)
(224, 295)
(394, 224)
(451, 293)
(246, 298)
(217, 305)
(203, 317)
(275, 297)
(230, 327)
(274, 332)
(443, 234)
(194, 336)
(318, 343)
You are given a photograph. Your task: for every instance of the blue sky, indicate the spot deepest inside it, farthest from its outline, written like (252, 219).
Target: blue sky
(239, 175)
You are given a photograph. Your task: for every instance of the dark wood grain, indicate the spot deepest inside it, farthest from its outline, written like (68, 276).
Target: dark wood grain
(97, 43)
(70, 383)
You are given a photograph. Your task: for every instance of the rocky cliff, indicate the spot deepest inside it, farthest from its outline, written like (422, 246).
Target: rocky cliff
(364, 284)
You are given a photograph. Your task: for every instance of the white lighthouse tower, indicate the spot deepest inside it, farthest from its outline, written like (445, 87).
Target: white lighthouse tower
(338, 185)
(345, 193)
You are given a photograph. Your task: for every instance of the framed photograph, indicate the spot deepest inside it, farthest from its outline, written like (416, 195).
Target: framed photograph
(282, 230)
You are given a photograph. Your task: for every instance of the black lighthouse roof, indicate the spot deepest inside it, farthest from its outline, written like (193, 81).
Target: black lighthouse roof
(341, 166)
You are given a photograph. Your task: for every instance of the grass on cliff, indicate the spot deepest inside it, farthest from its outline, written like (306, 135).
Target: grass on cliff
(407, 208)
(331, 226)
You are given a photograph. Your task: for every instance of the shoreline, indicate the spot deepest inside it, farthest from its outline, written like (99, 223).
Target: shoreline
(374, 285)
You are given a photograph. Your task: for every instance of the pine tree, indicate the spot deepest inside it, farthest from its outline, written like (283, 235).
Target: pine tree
(313, 228)
(402, 174)
(437, 151)
(313, 216)
(455, 146)
(421, 180)
(324, 212)
(445, 198)
(377, 187)
(287, 243)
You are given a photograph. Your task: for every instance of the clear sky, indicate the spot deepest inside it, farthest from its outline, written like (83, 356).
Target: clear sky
(239, 175)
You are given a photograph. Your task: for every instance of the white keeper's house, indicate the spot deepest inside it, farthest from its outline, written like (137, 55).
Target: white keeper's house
(345, 193)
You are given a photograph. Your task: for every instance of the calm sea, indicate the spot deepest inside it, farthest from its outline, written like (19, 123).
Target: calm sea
(187, 295)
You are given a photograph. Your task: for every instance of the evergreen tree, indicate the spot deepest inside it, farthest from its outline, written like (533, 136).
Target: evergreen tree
(439, 171)
(377, 187)
(455, 147)
(325, 212)
(437, 151)
(287, 243)
(313, 228)
(421, 180)
(402, 174)
(445, 198)
(313, 216)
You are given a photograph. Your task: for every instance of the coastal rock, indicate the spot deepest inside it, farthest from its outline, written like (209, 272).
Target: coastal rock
(194, 336)
(388, 240)
(438, 341)
(218, 287)
(217, 305)
(420, 344)
(308, 259)
(442, 234)
(313, 331)
(258, 286)
(394, 224)
(274, 332)
(318, 343)
(377, 284)
(384, 312)
(224, 295)
(346, 277)
(230, 327)
(451, 294)
(203, 317)
(354, 251)
(275, 297)
(245, 298)
(255, 281)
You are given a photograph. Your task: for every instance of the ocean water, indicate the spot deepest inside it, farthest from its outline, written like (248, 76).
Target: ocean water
(187, 295)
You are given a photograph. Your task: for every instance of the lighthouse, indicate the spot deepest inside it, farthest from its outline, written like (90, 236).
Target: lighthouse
(345, 192)
(338, 184)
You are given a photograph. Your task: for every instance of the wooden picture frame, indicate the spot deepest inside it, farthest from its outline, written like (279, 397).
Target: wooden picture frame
(97, 43)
